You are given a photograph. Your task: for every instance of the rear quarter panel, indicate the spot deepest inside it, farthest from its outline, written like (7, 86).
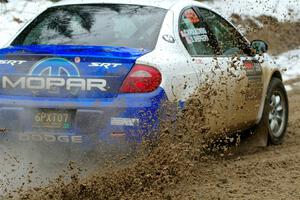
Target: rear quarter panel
(179, 79)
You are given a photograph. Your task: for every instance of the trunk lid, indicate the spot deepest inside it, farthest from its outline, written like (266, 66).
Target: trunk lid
(65, 71)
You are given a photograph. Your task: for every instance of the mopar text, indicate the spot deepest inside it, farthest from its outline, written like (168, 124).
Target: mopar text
(41, 83)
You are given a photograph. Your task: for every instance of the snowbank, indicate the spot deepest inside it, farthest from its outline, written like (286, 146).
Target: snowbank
(283, 10)
(18, 12)
(291, 61)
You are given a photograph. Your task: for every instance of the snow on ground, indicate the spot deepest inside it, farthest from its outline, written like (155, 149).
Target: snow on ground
(14, 11)
(283, 10)
(291, 61)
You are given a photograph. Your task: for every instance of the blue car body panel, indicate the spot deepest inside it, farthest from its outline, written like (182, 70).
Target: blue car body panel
(33, 60)
(94, 110)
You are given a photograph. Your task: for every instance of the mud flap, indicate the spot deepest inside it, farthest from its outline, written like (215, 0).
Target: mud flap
(258, 138)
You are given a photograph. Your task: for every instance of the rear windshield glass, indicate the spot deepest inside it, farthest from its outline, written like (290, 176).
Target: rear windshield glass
(95, 25)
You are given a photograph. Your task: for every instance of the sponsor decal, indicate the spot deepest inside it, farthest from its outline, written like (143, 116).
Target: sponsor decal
(249, 65)
(191, 16)
(255, 84)
(105, 65)
(195, 35)
(253, 71)
(54, 67)
(52, 74)
(194, 31)
(12, 62)
(124, 121)
(41, 83)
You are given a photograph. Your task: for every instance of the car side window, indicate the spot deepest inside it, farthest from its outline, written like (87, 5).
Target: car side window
(229, 39)
(194, 35)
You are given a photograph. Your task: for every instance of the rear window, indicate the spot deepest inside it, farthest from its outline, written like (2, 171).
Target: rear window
(95, 25)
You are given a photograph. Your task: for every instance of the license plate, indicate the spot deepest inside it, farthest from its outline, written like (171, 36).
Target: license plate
(53, 119)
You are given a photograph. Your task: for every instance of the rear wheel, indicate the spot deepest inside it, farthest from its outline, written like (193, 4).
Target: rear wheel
(275, 115)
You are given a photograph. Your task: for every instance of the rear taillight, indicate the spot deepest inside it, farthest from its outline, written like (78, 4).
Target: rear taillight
(141, 79)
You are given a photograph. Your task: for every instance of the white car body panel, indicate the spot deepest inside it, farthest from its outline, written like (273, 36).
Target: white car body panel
(177, 71)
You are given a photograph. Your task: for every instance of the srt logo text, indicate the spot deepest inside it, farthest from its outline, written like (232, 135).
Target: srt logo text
(12, 62)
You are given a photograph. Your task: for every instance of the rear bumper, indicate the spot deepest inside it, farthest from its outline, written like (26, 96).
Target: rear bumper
(126, 118)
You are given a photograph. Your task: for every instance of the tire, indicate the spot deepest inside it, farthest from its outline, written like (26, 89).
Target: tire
(276, 112)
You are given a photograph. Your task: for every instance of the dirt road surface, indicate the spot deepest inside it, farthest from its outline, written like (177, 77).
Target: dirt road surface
(268, 173)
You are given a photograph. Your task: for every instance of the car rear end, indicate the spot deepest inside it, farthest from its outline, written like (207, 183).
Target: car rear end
(72, 76)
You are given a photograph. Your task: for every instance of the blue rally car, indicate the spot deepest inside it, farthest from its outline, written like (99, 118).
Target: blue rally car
(88, 72)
